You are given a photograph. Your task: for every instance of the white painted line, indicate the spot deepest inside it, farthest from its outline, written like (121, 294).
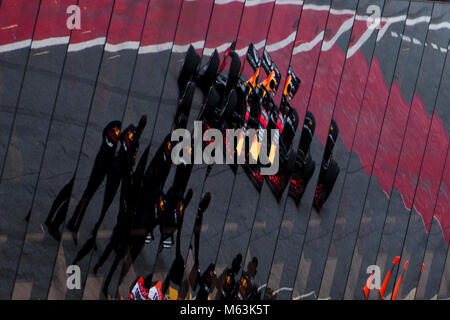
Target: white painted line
(342, 11)
(437, 26)
(353, 49)
(412, 22)
(306, 295)
(37, 44)
(223, 47)
(307, 46)
(15, 46)
(283, 289)
(316, 7)
(73, 47)
(220, 2)
(152, 48)
(128, 45)
(389, 21)
(281, 44)
(290, 2)
(252, 3)
(347, 25)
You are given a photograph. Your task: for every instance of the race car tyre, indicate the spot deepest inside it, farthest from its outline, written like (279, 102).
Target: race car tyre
(184, 106)
(290, 164)
(233, 72)
(310, 166)
(189, 69)
(300, 180)
(212, 102)
(208, 73)
(331, 177)
(324, 188)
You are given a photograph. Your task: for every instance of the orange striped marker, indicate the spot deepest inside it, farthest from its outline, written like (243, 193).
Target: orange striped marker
(388, 276)
(397, 286)
(418, 281)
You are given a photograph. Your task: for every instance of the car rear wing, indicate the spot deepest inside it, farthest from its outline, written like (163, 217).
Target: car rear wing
(269, 66)
(253, 57)
(292, 84)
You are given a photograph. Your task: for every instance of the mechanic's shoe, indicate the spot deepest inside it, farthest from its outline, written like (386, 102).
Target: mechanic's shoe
(149, 238)
(168, 243)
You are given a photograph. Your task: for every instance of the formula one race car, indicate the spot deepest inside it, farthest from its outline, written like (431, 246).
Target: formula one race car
(287, 122)
(329, 170)
(304, 165)
(219, 106)
(262, 110)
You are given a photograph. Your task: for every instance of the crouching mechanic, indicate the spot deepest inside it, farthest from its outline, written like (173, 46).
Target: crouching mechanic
(144, 289)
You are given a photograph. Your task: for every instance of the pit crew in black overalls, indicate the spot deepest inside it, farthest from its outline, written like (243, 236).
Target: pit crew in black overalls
(121, 170)
(102, 165)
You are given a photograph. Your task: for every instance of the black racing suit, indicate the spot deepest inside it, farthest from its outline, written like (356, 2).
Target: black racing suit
(121, 169)
(102, 164)
(121, 233)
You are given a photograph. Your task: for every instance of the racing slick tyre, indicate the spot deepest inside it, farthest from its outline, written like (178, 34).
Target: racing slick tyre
(279, 181)
(208, 73)
(300, 180)
(323, 190)
(212, 102)
(310, 166)
(184, 106)
(290, 163)
(233, 73)
(189, 69)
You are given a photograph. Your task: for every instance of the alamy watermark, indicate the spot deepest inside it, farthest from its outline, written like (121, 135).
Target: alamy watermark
(374, 280)
(74, 277)
(74, 20)
(374, 20)
(235, 143)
